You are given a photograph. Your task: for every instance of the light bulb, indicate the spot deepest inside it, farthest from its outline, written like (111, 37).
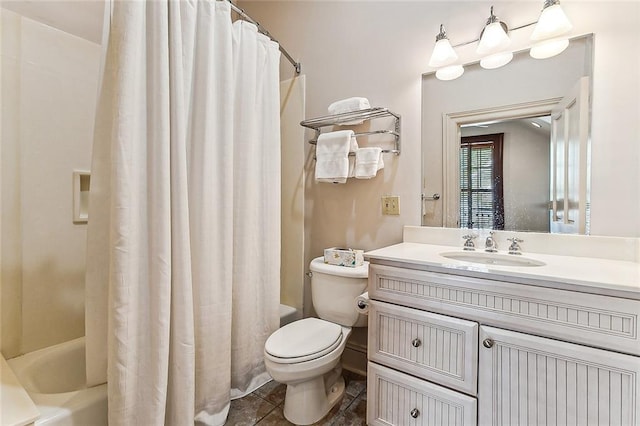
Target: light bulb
(548, 48)
(496, 60)
(552, 22)
(449, 73)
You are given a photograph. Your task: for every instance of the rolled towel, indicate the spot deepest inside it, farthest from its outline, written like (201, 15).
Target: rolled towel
(368, 162)
(332, 155)
(348, 105)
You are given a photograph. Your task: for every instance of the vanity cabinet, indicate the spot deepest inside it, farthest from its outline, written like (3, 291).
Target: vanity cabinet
(518, 354)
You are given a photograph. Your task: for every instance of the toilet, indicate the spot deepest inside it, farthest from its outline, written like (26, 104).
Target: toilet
(305, 354)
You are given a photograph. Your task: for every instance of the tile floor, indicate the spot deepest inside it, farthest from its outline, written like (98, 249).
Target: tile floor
(264, 406)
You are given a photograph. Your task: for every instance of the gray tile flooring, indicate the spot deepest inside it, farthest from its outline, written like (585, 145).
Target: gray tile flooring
(264, 406)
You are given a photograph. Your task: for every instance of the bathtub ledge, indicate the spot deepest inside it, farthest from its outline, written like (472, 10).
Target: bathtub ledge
(17, 407)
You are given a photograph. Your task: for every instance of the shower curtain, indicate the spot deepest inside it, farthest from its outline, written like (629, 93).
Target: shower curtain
(182, 285)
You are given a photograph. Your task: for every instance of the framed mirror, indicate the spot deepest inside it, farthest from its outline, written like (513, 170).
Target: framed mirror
(544, 184)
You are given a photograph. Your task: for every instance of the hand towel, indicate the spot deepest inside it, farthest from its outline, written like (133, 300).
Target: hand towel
(332, 156)
(368, 162)
(349, 105)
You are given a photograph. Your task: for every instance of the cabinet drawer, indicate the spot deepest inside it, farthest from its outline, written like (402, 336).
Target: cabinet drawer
(395, 398)
(602, 321)
(431, 346)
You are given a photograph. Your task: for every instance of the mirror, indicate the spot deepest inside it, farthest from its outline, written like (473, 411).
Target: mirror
(515, 153)
(506, 100)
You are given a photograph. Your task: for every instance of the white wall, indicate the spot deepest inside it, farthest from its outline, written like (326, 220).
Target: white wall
(49, 82)
(380, 50)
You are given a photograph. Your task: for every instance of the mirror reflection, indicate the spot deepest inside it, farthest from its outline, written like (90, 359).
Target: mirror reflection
(504, 174)
(513, 143)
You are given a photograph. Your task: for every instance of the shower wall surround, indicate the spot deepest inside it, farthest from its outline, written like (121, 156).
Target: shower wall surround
(292, 101)
(49, 87)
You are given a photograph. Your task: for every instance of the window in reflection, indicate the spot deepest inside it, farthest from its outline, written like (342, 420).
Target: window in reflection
(481, 193)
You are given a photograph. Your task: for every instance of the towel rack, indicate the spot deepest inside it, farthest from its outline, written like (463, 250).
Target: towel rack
(349, 117)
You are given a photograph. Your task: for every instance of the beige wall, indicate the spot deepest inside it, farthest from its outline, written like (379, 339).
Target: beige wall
(49, 82)
(380, 50)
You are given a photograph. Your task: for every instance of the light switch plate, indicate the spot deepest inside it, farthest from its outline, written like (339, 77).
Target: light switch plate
(391, 205)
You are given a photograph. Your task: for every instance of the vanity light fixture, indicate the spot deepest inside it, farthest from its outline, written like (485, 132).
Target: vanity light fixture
(550, 32)
(444, 57)
(494, 42)
(443, 54)
(553, 22)
(550, 37)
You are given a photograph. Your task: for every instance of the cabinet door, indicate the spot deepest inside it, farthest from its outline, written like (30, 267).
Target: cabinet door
(529, 380)
(394, 398)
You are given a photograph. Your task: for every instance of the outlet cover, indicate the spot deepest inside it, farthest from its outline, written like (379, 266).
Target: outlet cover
(391, 205)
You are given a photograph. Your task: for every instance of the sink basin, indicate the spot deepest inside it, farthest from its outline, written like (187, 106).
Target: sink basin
(492, 258)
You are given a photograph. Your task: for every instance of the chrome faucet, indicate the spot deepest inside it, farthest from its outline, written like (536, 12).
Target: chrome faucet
(514, 248)
(490, 244)
(468, 244)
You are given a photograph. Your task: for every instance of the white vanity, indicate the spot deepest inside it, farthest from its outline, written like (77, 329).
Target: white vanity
(455, 342)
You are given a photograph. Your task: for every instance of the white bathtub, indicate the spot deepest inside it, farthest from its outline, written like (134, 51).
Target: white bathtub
(288, 314)
(54, 378)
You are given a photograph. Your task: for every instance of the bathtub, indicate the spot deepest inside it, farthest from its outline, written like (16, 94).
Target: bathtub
(288, 314)
(54, 378)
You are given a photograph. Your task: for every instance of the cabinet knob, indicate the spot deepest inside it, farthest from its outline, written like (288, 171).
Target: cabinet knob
(487, 343)
(415, 413)
(416, 343)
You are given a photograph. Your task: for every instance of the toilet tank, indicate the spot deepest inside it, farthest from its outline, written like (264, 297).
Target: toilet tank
(334, 289)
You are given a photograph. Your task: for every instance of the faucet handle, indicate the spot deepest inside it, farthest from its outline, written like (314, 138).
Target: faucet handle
(514, 248)
(468, 243)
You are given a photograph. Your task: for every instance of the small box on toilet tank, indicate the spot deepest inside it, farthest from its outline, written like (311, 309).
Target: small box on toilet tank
(344, 257)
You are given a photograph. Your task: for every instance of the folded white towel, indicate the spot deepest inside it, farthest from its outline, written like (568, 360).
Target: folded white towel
(332, 156)
(368, 162)
(348, 105)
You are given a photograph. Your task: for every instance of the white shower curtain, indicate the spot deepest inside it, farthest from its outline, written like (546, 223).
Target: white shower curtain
(183, 269)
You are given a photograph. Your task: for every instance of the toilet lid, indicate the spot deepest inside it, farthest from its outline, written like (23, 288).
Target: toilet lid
(305, 339)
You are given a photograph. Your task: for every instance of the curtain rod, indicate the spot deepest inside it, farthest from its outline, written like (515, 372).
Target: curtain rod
(263, 30)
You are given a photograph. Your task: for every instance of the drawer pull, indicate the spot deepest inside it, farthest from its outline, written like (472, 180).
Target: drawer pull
(487, 343)
(416, 343)
(415, 413)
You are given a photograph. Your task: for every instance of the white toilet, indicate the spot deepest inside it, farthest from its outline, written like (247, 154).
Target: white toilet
(305, 354)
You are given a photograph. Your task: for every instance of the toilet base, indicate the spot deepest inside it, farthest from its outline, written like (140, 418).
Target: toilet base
(307, 402)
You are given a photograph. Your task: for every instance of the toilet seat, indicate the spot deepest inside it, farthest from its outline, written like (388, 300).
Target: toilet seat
(303, 340)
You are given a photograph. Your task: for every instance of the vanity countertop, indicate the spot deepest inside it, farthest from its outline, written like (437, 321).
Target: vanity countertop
(607, 277)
